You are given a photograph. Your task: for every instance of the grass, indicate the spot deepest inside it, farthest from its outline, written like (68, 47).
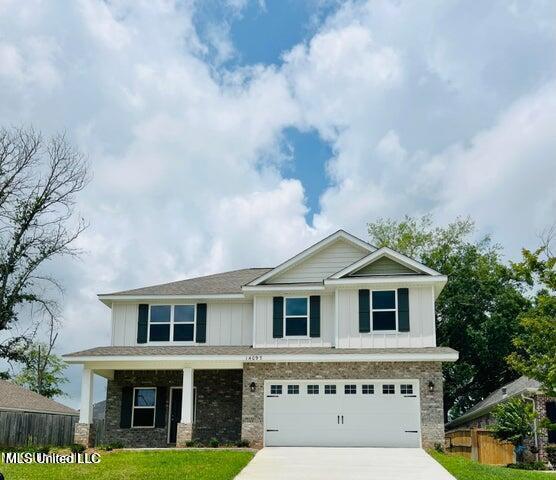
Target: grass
(464, 469)
(140, 465)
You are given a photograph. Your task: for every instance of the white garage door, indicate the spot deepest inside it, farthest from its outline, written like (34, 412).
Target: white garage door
(335, 413)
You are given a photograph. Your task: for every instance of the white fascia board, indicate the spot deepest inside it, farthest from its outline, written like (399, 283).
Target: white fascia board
(269, 358)
(386, 252)
(108, 299)
(310, 251)
(282, 288)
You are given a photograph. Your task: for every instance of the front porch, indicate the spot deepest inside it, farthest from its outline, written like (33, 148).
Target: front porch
(148, 408)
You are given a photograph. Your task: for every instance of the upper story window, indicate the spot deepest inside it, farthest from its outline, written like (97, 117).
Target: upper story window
(172, 323)
(296, 314)
(384, 310)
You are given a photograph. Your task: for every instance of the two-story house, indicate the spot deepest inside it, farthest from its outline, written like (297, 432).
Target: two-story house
(334, 347)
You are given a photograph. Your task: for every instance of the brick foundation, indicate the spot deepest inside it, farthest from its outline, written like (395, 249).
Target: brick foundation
(184, 434)
(432, 414)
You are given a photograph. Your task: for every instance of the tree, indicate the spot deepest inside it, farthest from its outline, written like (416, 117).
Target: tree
(535, 354)
(39, 181)
(514, 421)
(43, 371)
(476, 313)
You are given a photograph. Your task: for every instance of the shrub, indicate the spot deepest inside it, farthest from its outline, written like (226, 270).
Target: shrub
(551, 454)
(116, 445)
(77, 448)
(191, 443)
(242, 443)
(213, 443)
(439, 447)
(528, 466)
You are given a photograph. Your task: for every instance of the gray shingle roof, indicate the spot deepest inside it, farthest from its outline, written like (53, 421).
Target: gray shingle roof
(521, 385)
(14, 397)
(245, 350)
(219, 283)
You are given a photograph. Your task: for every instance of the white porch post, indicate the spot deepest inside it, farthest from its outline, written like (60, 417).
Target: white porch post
(184, 431)
(86, 411)
(84, 432)
(187, 396)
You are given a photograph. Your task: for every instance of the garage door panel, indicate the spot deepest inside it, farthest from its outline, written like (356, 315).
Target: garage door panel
(345, 416)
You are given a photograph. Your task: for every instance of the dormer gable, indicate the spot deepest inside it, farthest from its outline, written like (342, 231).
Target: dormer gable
(319, 261)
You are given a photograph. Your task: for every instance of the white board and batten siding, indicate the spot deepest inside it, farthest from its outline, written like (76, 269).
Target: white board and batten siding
(330, 260)
(421, 318)
(263, 325)
(227, 323)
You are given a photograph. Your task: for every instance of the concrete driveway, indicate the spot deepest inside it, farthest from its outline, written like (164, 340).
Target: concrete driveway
(308, 463)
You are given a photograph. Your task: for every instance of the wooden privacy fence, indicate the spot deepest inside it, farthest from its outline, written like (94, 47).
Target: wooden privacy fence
(479, 445)
(29, 428)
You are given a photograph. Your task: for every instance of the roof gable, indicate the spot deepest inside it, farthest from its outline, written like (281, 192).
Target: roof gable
(318, 261)
(384, 261)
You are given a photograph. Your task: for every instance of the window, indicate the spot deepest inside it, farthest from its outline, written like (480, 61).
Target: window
(312, 389)
(367, 389)
(330, 389)
(295, 316)
(293, 389)
(276, 389)
(384, 310)
(144, 402)
(388, 389)
(172, 323)
(350, 389)
(406, 389)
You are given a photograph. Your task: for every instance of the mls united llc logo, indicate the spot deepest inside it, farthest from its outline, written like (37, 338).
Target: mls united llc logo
(28, 457)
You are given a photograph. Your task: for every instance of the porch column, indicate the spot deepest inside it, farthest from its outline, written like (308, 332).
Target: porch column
(84, 432)
(185, 427)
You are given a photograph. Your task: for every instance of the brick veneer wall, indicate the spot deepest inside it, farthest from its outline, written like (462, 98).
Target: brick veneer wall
(432, 415)
(218, 410)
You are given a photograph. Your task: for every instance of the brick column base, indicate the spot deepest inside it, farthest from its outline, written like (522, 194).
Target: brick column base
(184, 434)
(84, 434)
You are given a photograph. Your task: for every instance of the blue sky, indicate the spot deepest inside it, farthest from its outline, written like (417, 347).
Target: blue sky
(235, 133)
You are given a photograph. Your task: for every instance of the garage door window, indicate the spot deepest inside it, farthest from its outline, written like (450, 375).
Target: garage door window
(368, 389)
(384, 310)
(350, 389)
(312, 389)
(293, 389)
(388, 389)
(276, 389)
(330, 389)
(406, 389)
(296, 312)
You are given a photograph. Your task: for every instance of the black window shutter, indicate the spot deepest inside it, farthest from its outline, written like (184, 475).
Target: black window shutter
(403, 310)
(314, 327)
(201, 335)
(142, 323)
(127, 404)
(160, 416)
(551, 415)
(364, 311)
(277, 317)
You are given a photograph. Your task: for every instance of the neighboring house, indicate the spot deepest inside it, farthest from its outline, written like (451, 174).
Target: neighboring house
(26, 416)
(98, 410)
(335, 347)
(479, 416)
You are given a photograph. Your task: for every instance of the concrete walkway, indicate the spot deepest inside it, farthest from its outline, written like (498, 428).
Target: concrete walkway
(310, 463)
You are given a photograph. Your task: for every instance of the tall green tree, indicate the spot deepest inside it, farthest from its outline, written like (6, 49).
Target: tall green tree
(476, 313)
(535, 354)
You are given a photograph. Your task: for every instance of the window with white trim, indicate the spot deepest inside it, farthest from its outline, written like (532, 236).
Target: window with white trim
(367, 389)
(172, 323)
(293, 389)
(388, 389)
(276, 389)
(296, 316)
(144, 405)
(406, 389)
(330, 389)
(312, 389)
(350, 389)
(384, 310)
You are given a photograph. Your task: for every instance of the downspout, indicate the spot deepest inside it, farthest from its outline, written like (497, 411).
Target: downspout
(535, 435)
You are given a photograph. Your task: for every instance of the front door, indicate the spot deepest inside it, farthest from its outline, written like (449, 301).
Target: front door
(175, 413)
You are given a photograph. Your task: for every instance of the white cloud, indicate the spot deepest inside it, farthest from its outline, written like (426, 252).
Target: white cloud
(187, 155)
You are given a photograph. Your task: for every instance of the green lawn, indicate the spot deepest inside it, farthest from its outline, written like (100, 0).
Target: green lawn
(464, 469)
(139, 465)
